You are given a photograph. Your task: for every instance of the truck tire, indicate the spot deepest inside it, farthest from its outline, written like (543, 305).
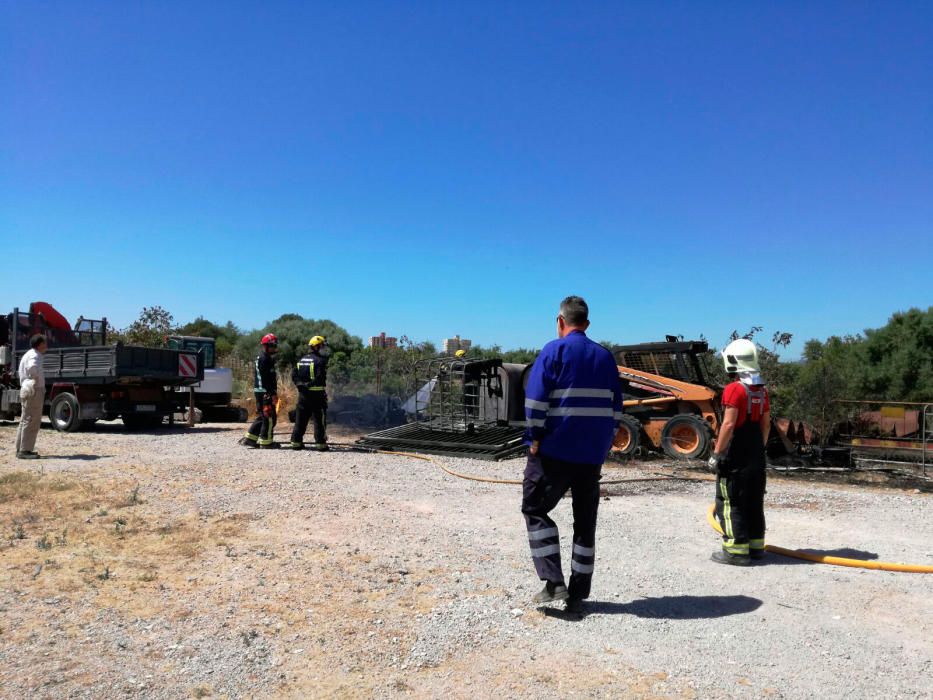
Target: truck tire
(686, 436)
(628, 437)
(65, 413)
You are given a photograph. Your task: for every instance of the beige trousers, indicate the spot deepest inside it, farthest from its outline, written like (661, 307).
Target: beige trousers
(29, 421)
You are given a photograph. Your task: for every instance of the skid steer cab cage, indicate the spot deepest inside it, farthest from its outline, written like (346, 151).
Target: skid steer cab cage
(462, 408)
(674, 359)
(461, 395)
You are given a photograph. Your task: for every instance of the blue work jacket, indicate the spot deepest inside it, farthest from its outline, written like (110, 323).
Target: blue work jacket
(573, 401)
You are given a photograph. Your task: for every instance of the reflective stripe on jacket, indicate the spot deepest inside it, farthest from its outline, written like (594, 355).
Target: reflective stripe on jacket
(264, 377)
(573, 401)
(311, 372)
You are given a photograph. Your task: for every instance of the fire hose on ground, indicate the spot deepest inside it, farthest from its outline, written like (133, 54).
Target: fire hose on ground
(827, 559)
(710, 517)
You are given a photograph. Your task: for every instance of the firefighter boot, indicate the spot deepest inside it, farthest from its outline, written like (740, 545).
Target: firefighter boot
(721, 556)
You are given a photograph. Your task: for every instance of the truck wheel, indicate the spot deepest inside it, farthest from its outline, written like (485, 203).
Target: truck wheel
(628, 437)
(686, 436)
(65, 413)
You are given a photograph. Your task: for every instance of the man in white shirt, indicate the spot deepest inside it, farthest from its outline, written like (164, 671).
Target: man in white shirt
(32, 398)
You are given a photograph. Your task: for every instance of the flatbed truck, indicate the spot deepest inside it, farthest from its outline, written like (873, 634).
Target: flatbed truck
(88, 379)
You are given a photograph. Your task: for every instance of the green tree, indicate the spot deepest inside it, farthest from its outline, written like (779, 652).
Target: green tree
(150, 329)
(896, 361)
(827, 372)
(294, 331)
(225, 336)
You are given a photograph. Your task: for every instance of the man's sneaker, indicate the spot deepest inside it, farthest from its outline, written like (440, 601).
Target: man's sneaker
(551, 592)
(321, 447)
(722, 557)
(246, 442)
(270, 446)
(297, 445)
(27, 455)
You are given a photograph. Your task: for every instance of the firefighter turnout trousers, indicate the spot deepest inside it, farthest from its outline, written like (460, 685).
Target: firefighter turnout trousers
(546, 481)
(312, 405)
(740, 492)
(261, 429)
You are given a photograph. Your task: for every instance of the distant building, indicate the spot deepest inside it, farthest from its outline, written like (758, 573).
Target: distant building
(383, 341)
(451, 345)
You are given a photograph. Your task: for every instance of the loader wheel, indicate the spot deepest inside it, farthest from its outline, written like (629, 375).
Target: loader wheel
(686, 437)
(628, 437)
(65, 413)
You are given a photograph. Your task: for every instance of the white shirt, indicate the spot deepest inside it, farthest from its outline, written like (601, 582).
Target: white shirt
(30, 367)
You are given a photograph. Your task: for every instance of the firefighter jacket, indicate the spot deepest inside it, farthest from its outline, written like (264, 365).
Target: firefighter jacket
(264, 378)
(310, 374)
(573, 402)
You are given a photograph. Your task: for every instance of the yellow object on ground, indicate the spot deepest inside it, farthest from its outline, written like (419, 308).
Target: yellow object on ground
(835, 561)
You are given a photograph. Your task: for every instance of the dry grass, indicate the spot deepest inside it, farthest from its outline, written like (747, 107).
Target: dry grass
(67, 536)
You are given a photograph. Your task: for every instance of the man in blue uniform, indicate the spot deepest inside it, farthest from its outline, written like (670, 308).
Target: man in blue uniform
(573, 404)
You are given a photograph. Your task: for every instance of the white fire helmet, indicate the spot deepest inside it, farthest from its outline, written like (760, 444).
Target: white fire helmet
(741, 356)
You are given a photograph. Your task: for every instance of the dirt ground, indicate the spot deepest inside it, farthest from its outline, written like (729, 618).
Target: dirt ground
(177, 564)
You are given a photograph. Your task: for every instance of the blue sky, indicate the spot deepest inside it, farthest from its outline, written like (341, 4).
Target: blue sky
(438, 168)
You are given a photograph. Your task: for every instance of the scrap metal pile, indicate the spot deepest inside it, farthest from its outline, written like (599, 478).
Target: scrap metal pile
(463, 407)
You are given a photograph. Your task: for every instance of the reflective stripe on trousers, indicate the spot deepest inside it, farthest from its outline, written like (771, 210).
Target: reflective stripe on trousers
(546, 481)
(582, 559)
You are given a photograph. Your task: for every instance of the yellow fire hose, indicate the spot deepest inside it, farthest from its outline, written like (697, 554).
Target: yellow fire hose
(825, 559)
(710, 517)
(518, 482)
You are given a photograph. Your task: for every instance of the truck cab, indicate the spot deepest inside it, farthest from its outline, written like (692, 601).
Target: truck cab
(215, 391)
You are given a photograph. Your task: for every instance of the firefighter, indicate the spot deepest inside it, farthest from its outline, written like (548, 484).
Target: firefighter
(265, 389)
(573, 404)
(310, 377)
(739, 457)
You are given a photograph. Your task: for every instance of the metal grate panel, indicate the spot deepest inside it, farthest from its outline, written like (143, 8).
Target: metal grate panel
(487, 442)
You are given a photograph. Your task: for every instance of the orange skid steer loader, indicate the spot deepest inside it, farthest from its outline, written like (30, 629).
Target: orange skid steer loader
(670, 404)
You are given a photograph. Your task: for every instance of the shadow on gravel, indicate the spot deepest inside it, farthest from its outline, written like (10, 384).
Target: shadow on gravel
(85, 458)
(773, 559)
(177, 429)
(681, 607)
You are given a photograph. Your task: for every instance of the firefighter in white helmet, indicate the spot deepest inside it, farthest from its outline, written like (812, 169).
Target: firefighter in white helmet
(739, 457)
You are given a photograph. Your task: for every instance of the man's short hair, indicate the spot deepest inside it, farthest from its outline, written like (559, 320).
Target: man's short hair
(36, 340)
(574, 311)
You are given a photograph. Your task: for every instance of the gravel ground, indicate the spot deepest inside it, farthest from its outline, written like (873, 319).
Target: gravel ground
(178, 564)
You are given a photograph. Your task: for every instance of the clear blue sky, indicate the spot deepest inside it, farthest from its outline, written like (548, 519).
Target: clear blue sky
(438, 168)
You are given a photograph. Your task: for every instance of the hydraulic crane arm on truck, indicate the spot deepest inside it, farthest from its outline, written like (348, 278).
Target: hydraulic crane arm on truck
(88, 380)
